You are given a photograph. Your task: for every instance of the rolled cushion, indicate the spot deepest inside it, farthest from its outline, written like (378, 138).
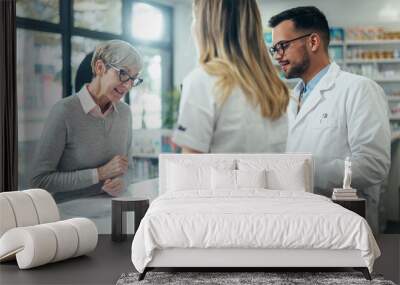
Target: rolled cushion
(40, 244)
(67, 240)
(45, 205)
(87, 235)
(24, 211)
(26, 208)
(32, 246)
(7, 218)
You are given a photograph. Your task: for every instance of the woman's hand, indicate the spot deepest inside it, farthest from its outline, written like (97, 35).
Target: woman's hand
(117, 166)
(114, 186)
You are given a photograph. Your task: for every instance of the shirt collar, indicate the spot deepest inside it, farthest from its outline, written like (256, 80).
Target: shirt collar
(87, 101)
(307, 88)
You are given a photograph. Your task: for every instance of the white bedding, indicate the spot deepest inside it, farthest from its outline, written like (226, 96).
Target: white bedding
(253, 218)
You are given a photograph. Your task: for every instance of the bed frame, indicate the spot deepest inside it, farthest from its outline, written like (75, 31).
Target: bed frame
(242, 259)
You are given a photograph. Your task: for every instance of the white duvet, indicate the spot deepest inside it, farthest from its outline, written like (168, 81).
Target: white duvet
(250, 219)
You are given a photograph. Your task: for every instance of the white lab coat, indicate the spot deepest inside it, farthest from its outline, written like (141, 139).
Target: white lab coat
(235, 127)
(345, 115)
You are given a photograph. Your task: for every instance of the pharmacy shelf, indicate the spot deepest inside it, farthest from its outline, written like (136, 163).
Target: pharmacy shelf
(387, 80)
(372, 42)
(336, 43)
(379, 80)
(362, 61)
(141, 179)
(393, 98)
(394, 117)
(145, 155)
(395, 135)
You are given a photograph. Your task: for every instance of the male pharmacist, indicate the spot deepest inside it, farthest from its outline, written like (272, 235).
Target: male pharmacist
(332, 114)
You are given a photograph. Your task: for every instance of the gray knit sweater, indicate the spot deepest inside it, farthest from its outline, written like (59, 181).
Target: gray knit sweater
(74, 143)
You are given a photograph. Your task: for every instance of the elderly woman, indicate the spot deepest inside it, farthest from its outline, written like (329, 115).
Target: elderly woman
(85, 145)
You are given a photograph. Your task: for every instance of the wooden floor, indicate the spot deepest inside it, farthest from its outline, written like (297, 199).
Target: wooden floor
(110, 260)
(102, 266)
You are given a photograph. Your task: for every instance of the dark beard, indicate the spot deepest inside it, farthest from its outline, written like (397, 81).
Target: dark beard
(299, 69)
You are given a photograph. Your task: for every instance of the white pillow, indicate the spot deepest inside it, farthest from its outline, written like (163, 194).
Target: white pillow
(282, 174)
(223, 179)
(182, 177)
(251, 178)
(293, 179)
(227, 179)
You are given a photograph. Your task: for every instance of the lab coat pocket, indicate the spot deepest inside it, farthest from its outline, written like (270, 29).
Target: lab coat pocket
(324, 120)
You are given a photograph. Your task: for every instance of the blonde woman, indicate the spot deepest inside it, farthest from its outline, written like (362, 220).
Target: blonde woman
(234, 100)
(85, 144)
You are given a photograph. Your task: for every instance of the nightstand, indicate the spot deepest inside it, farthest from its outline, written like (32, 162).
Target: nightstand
(357, 205)
(118, 215)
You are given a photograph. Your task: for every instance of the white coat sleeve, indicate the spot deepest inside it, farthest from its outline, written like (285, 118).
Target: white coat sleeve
(369, 138)
(196, 114)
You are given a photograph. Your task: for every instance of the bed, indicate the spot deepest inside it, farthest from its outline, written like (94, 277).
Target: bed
(247, 210)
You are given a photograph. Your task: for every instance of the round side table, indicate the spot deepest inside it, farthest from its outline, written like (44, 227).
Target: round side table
(118, 215)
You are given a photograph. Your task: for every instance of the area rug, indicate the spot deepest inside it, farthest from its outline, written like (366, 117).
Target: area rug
(244, 278)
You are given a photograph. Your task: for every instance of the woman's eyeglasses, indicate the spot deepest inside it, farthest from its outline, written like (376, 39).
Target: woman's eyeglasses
(125, 77)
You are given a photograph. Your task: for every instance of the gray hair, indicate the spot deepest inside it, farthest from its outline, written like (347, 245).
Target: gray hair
(119, 53)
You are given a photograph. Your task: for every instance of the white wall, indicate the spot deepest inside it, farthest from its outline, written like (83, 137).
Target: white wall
(343, 13)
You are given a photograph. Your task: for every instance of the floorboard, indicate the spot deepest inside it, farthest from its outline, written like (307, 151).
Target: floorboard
(111, 259)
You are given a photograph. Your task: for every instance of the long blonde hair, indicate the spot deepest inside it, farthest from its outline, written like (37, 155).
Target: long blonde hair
(231, 45)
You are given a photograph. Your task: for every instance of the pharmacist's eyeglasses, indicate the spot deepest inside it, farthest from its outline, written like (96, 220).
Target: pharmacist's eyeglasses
(282, 46)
